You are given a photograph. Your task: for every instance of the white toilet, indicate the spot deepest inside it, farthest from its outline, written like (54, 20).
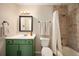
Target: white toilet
(46, 51)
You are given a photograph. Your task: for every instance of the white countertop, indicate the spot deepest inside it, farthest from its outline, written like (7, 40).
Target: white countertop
(21, 36)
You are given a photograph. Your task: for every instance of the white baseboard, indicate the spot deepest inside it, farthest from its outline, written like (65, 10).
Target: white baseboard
(37, 52)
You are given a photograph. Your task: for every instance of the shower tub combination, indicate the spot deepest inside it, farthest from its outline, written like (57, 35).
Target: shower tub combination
(56, 39)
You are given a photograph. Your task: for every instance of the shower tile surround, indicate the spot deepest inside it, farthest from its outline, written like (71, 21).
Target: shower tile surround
(69, 25)
(73, 39)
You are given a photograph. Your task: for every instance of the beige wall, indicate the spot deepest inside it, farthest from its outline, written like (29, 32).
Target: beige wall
(11, 12)
(8, 12)
(39, 12)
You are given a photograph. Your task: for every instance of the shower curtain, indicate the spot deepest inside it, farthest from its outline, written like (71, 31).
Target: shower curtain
(56, 37)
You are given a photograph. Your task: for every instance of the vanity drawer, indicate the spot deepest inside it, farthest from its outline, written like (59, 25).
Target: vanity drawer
(22, 42)
(19, 41)
(9, 41)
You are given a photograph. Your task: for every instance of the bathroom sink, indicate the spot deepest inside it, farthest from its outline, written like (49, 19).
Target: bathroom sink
(21, 36)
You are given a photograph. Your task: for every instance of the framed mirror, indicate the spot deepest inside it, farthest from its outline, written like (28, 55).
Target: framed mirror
(25, 23)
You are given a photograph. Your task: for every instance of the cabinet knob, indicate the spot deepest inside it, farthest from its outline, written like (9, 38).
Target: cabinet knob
(29, 42)
(9, 42)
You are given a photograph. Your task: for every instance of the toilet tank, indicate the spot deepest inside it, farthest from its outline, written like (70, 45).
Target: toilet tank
(44, 41)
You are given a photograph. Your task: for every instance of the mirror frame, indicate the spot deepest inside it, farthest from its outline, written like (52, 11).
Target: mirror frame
(31, 24)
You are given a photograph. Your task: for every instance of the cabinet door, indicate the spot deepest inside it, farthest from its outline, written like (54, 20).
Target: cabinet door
(11, 50)
(26, 50)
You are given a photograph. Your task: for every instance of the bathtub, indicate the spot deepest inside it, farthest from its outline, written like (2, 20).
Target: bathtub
(67, 51)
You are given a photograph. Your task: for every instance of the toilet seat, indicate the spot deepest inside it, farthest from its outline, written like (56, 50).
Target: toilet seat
(46, 51)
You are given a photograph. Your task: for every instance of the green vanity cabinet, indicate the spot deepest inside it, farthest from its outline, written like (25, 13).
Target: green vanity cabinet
(26, 50)
(20, 47)
(11, 50)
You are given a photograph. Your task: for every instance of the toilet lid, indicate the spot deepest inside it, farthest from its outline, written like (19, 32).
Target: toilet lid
(46, 51)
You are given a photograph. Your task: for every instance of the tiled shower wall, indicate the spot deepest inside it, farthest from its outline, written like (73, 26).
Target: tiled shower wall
(73, 27)
(69, 25)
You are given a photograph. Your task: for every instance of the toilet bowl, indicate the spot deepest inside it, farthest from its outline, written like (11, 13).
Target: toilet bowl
(46, 51)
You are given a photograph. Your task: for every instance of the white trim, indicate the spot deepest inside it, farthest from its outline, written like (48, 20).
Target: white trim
(37, 52)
